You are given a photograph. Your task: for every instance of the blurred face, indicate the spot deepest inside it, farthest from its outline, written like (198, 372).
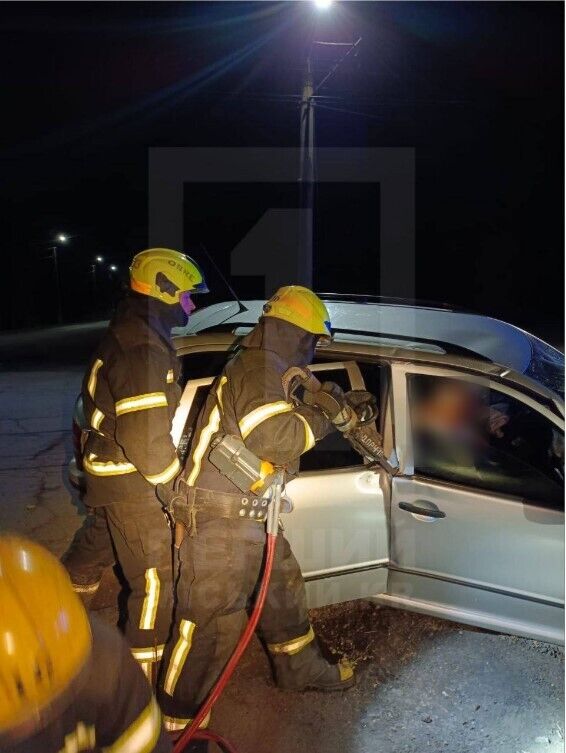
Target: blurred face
(453, 408)
(187, 303)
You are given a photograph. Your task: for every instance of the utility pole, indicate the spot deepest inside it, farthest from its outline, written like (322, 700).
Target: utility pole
(307, 161)
(57, 284)
(306, 179)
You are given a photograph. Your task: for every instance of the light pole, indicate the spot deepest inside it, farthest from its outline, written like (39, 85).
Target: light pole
(306, 180)
(97, 260)
(61, 238)
(307, 167)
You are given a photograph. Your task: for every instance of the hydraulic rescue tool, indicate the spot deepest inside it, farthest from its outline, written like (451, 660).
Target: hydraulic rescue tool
(351, 412)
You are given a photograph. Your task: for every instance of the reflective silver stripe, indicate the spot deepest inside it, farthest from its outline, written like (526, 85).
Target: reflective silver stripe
(142, 735)
(91, 386)
(169, 473)
(101, 468)
(179, 655)
(141, 402)
(206, 435)
(174, 724)
(293, 646)
(152, 653)
(259, 415)
(97, 419)
(170, 377)
(309, 436)
(149, 609)
(81, 738)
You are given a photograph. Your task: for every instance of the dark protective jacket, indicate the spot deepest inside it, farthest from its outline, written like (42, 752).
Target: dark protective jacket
(248, 400)
(113, 709)
(130, 395)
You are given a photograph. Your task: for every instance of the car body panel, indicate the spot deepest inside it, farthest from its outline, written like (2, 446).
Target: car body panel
(493, 555)
(339, 534)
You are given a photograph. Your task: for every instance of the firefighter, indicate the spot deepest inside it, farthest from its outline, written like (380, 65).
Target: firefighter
(221, 558)
(130, 394)
(67, 681)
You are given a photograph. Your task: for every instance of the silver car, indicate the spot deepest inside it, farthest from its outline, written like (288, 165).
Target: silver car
(470, 526)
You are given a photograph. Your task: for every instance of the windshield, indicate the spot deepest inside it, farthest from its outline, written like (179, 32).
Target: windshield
(546, 366)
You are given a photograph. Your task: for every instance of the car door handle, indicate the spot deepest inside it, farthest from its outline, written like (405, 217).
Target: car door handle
(417, 510)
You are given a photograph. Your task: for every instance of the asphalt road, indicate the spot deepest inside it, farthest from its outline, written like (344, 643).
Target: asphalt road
(423, 684)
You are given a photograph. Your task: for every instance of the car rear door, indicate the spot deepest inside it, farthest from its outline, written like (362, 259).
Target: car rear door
(477, 525)
(338, 528)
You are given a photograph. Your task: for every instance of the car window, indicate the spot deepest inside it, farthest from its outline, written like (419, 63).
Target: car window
(199, 365)
(190, 422)
(468, 434)
(334, 451)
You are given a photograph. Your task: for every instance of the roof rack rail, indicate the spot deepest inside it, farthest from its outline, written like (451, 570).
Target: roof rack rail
(388, 301)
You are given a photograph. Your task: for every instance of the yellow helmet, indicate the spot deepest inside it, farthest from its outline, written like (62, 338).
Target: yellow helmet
(45, 638)
(301, 307)
(164, 274)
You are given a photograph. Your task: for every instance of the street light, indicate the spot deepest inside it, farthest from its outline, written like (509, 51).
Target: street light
(99, 259)
(60, 238)
(113, 268)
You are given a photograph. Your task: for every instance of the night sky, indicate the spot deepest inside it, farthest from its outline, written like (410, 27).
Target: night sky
(475, 88)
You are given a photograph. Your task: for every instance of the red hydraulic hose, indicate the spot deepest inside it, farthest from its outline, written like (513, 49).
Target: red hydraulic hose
(193, 732)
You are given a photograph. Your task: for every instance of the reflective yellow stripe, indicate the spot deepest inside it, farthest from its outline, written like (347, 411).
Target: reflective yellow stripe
(151, 653)
(219, 389)
(174, 724)
(91, 386)
(101, 468)
(97, 419)
(182, 648)
(257, 416)
(170, 376)
(149, 609)
(142, 735)
(206, 435)
(141, 402)
(82, 738)
(309, 436)
(146, 667)
(169, 473)
(293, 646)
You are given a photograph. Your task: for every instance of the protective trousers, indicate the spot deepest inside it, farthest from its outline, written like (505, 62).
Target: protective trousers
(219, 573)
(91, 550)
(142, 540)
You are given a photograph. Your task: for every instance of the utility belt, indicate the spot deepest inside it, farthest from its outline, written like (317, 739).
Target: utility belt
(192, 504)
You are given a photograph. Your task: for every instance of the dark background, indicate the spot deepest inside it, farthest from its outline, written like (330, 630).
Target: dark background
(475, 88)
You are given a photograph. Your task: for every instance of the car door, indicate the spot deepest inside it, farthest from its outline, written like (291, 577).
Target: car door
(338, 527)
(477, 519)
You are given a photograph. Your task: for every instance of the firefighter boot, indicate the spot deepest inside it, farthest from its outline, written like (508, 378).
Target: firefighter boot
(309, 670)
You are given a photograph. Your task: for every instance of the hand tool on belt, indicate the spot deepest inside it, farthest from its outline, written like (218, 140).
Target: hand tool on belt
(188, 505)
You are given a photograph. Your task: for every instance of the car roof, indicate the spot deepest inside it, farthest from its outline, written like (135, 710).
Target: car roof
(482, 336)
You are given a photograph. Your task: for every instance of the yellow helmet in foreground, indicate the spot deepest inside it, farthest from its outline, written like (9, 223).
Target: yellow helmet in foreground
(301, 307)
(45, 638)
(164, 274)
